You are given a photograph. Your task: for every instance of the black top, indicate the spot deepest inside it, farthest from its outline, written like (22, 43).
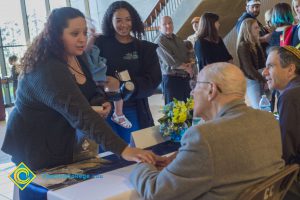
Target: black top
(140, 59)
(48, 110)
(275, 39)
(210, 52)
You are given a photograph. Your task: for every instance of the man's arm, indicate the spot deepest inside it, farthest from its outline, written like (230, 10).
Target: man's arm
(289, 112)
(188, 176)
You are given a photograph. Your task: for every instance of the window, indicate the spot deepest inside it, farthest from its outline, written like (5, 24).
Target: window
(36, 14)
(57, 4)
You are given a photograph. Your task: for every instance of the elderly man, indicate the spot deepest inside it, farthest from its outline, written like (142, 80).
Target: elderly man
(235, 148)
(175, 65)
(252, 11)
(283, 74)
(195, 23)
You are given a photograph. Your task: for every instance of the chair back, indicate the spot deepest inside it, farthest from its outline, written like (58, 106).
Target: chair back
(274, 187)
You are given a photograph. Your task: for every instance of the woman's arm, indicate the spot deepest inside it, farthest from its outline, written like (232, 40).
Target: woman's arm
(149, 75)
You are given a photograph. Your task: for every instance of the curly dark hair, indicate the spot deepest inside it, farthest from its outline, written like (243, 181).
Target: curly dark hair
(137, 24)
(49, 41)
(207, 27)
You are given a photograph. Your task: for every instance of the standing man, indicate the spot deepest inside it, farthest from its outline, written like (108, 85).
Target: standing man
(252, 11)
(174, 60)
(195, 23)
(235, 148)
(283, 74)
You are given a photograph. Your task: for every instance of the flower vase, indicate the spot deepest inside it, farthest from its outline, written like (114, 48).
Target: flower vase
(176, 137)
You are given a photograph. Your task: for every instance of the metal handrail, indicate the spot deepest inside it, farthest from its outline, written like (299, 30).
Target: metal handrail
(162, 8)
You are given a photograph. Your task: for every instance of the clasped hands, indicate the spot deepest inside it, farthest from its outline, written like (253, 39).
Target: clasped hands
(188, 67)
(146, 156)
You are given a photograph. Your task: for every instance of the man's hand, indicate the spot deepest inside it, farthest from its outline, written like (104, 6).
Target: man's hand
(139, 155)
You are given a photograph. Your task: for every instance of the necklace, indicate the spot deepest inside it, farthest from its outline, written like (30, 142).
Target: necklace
(75, 70)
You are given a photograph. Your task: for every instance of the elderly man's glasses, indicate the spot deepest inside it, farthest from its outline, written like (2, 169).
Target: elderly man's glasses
(193, 84)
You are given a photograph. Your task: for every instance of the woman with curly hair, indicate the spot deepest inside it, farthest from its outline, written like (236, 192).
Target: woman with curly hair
(53, 99)
(252, 59)
(121, 45)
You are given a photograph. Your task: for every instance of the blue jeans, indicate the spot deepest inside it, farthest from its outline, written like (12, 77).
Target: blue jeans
(254, 92)
(125, 133)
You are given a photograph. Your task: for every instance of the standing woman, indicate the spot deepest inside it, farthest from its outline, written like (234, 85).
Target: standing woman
(210, 48)
(121, 46)
(252, 59)
(55, 88)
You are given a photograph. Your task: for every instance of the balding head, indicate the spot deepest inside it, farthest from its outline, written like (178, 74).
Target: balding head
(228, 77)
(217, 85)
(166, 25)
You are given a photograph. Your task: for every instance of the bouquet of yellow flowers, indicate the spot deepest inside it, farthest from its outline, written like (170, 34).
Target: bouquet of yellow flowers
(177, 118)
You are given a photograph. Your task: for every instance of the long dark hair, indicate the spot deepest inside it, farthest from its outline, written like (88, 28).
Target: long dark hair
(137, 24)
(207, 28)
(49, 41)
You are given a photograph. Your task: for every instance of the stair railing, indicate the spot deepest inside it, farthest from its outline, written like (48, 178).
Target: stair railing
(162, 8)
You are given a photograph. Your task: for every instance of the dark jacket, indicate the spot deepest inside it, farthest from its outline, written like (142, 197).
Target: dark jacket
(49, 108)
(289, 117)
(146, 77)
(250, 61)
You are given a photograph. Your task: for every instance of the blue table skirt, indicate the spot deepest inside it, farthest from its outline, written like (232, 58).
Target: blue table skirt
(36, 192)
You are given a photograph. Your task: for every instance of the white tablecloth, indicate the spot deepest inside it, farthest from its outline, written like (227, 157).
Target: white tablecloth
(114, 185)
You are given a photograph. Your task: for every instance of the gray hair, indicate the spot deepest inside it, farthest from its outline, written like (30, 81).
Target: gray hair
(287, 57)
(228, 77)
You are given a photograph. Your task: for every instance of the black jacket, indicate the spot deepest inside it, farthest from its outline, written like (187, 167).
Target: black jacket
(49, 108)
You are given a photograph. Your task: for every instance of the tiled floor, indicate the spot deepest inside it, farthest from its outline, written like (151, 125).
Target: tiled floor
(6, 186)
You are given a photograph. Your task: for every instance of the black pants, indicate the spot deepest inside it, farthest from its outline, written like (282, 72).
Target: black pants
(175, 87)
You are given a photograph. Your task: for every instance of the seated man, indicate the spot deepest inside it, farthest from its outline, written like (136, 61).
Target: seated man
(283, 74)
(235, 148)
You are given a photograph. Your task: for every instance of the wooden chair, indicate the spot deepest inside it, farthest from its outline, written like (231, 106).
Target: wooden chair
(273, 188)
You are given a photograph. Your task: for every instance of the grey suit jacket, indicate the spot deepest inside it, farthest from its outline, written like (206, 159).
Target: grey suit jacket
(217, 160)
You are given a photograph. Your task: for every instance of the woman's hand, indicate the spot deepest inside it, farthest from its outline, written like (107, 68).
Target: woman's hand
(140, 155)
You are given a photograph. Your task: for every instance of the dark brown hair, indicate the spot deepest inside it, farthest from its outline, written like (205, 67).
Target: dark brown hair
(207, 28)
(49, 41)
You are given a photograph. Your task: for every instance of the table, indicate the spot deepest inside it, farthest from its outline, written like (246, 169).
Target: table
(113, 185)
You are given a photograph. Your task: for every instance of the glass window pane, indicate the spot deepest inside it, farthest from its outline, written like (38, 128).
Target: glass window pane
(36, 13)
(9, 51)
(11, 23)
(96, 16)
(57, 4)
(79, 4)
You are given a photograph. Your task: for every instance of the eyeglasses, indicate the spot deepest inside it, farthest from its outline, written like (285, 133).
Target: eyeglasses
(193, 84)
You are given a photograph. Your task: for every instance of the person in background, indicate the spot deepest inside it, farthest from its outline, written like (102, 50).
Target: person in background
(191, 57)
(282, 19)
(133, 59)
(253, 11)
(55, 88)
(268, 23)
(222, 157)
(14, 71)
(195, 23)
(296, 9)
(209, 41)
(252, 60)
(282, 73)
(176, 69)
